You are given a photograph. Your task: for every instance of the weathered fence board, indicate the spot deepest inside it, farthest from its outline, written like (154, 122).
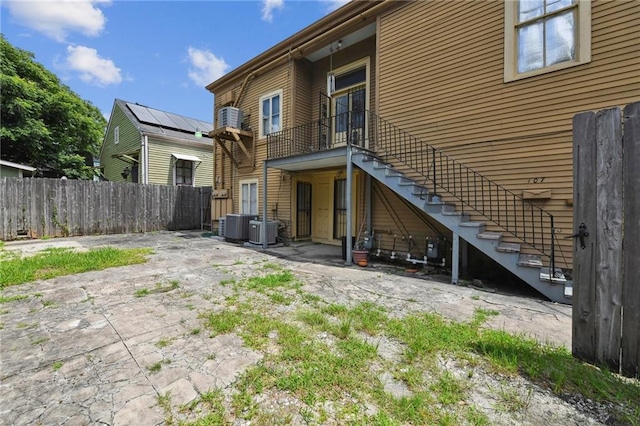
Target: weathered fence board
(584, 211)
(57, 207)
(606, 288)
(631, 255)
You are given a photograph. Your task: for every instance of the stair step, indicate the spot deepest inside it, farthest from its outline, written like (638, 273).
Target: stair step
(472, 224)
(448, 208)
(558, 277)
(420, 190)
(391, 172)
(509, 248)
(377, 164)
(490, 236)
(530, 260)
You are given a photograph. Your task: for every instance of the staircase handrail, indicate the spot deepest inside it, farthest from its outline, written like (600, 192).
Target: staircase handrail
(505, 208)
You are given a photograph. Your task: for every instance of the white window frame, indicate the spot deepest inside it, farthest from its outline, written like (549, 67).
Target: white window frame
(582, 40)
(366, 63)
(262, 131)
(241, 207)
(116, 135)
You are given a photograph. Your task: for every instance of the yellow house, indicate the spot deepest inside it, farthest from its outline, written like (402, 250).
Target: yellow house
(429, 131)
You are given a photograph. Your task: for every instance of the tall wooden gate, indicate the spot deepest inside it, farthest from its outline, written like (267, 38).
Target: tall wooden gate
(606, 265)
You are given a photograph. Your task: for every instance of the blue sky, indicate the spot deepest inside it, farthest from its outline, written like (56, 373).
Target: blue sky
(157, 53)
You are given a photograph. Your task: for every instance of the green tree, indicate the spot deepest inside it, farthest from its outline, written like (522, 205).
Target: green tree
(43, 123)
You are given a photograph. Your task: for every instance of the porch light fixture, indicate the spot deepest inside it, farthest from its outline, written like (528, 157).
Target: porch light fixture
(198, 133)
(125, 173)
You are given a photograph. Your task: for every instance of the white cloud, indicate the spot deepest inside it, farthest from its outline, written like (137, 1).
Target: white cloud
(335, 4)
(93, 69)
(57, 18)
(205, 66)
(268, 6)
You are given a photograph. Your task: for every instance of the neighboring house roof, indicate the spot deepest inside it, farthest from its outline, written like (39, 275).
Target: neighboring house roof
(154, 122)
(338, 23)
(17, 166)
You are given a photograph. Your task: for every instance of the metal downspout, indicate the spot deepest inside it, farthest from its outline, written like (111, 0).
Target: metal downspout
(367, 192)
(349, 208)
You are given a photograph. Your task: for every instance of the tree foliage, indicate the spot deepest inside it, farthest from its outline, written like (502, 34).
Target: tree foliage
(43, 123)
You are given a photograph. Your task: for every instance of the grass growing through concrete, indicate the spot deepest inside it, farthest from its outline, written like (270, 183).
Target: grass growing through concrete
(53, 263)
(325, 359)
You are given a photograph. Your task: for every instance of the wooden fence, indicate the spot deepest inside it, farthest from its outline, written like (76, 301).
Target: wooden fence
(606, 265)
(38, 208)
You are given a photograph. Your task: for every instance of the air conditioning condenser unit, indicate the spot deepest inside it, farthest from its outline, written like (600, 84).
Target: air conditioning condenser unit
(255, 231)
(236, 227)
(230, 117)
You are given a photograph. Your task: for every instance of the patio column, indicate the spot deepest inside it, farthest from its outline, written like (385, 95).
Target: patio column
(349, 209)
(455, 259)
(263, 230)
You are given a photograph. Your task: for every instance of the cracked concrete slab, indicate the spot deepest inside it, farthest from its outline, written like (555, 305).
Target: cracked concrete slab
(83, 349)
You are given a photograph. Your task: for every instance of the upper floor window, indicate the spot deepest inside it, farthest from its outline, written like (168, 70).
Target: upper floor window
(270, 113)
(545, 35)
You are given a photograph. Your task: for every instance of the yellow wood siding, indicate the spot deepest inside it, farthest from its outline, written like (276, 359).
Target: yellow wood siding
(363, 49)
(161, 161)
(304, 96)
(442, 80)
(279, 186)
(129, 142)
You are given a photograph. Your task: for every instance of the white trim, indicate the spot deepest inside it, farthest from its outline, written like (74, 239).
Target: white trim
(116, 135)
(366, 62)
(241, 200)
(582, 42)
(269, 95)
(17, 166)
(186, 157)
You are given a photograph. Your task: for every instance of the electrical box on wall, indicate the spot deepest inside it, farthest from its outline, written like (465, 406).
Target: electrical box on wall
(220, 193)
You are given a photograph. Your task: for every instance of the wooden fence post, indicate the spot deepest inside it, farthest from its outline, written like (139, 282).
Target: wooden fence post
(584, 202)
(609, 237)
(631, 265)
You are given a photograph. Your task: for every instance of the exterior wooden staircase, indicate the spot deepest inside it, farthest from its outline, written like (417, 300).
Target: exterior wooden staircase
(527, 267)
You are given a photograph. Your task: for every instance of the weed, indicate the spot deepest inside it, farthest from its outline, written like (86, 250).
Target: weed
(154, 368)
(194, 331)
(512, 400)
(56, 262)
(164, 342)
(475, 297)
(39, 340)
(7, 299)
(280, 298)
(46, 303)
(141, 292)
(227, 282)
(57, 365)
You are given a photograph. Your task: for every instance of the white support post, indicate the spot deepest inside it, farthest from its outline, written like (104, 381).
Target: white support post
(263, 231)
(349, 209)
(455, 259)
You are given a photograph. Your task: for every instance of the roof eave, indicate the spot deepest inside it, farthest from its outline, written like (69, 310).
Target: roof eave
(335, 18)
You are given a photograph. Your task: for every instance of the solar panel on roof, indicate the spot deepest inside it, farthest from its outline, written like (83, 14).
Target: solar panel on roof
(167, 120)
(142, 114)
(183, 123)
